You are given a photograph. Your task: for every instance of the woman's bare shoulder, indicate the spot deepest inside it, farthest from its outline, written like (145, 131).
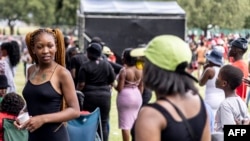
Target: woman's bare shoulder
(151, 116)
(62, 72)
(148, 111)
(31, 68)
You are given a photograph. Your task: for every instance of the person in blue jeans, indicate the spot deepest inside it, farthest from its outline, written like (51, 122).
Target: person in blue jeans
(211, 116)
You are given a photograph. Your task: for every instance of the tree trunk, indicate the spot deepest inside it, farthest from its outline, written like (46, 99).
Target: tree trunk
(205, 32)
(11, 30)
(11, 24)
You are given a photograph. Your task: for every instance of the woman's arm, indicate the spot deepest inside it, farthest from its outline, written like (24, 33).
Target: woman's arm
(121, 80)
(247, 81)
(73, 72)
(111, 76)
(81, 79)
(73, 67)
(140, 86)
(80, 86)
(206, 134)
(206, 75)
(72, 109)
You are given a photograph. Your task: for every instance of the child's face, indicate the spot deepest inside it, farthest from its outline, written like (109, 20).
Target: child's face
(3, 53)
(2, 91)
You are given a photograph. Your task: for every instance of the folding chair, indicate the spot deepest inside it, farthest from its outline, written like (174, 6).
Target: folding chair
(80, 97)
(85, 127)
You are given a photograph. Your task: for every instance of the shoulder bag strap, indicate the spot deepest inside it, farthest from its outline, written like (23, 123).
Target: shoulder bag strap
(241, 111)
(190, 130)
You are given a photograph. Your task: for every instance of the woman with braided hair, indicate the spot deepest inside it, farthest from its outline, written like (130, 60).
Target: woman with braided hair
(10, 57)
(49, 84)
(12, 51)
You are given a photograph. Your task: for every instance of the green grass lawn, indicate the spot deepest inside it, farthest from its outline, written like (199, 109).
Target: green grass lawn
(19, 78)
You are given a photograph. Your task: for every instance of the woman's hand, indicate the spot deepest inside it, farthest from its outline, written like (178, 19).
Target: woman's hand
(17, 125)
(245, 121)
(247, 81)
(33, 123)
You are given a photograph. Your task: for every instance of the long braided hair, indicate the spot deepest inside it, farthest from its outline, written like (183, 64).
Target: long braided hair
(13, 51)
(59, 40)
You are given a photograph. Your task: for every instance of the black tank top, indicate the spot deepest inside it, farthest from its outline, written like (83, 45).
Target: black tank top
(176, 130)
(43, 99)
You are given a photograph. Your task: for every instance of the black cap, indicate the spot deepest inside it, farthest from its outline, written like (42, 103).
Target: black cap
(240, 43)
(3, 82)
(97, 39)
(95, 49)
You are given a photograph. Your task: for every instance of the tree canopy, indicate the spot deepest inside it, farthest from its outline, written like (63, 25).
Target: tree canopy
(231, 14)
(12, 12)
(39, 12)
(66, 12)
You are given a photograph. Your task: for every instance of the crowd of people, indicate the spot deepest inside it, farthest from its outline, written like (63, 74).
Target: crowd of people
(224, 68)
(168, 66)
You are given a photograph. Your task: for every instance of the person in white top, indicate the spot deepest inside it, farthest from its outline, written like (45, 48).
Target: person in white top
(248, 94)
(233, 108)
(213, 95)
(10, 57)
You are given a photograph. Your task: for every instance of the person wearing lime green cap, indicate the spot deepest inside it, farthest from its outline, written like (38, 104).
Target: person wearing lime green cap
(179, 113)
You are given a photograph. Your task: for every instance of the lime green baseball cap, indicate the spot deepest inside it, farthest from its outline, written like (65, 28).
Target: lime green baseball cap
(166, 52)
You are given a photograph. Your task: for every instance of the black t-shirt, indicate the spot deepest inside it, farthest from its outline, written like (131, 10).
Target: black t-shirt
(117, 67)
(67, 57)
(76, 63)
(96, 73)
(146, 95)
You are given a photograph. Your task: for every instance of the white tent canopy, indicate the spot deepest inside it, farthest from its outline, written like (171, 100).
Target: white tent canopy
(131, 7)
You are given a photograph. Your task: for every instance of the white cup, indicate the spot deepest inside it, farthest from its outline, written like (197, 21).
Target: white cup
(23, 117)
